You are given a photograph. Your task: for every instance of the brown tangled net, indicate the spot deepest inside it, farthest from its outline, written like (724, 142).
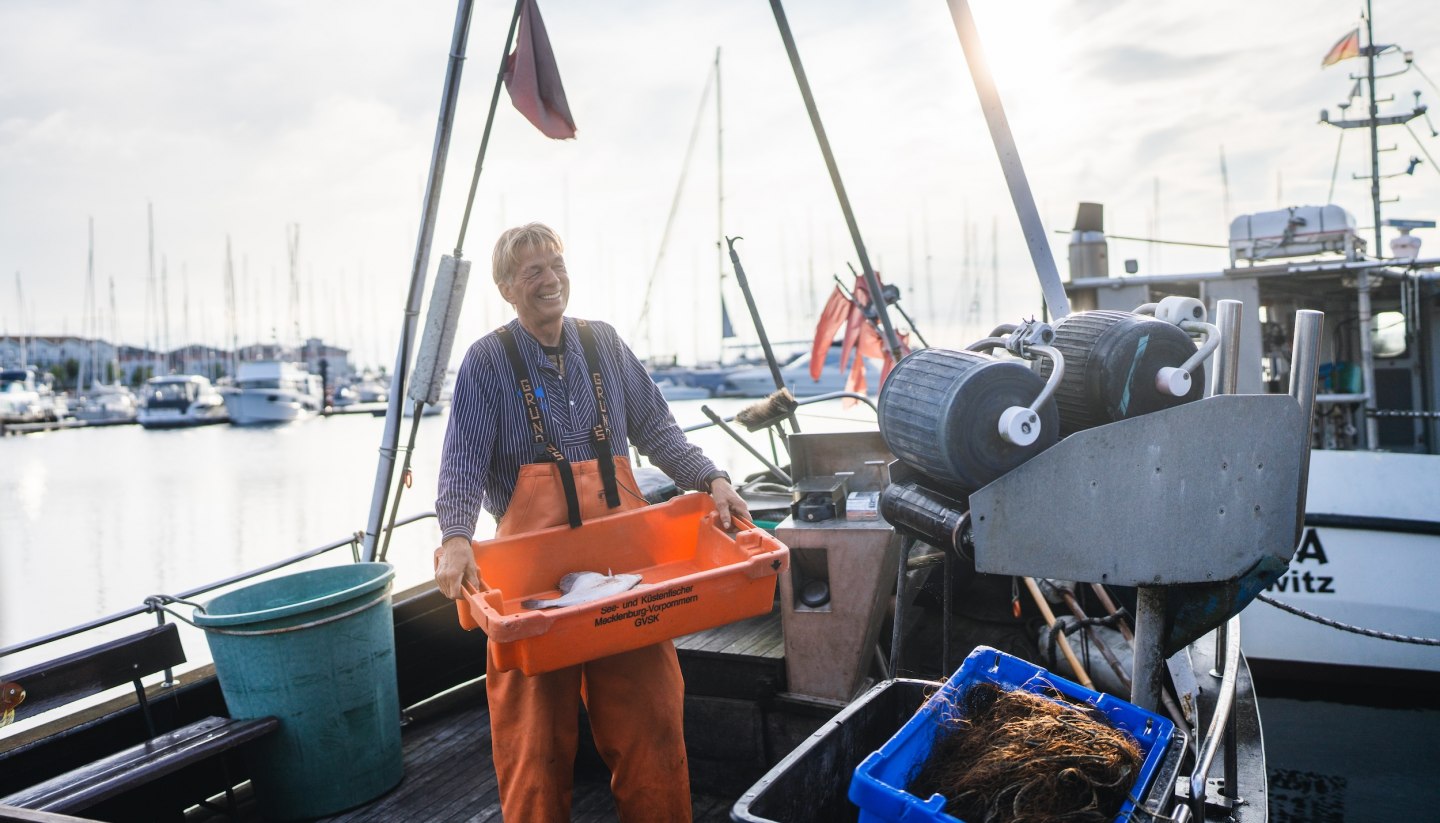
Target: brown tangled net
(1018, 757)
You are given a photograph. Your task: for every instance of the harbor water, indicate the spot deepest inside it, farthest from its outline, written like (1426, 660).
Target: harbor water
(92, 521)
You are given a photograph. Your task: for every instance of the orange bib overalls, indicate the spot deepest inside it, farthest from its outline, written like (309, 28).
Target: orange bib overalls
(635, 700)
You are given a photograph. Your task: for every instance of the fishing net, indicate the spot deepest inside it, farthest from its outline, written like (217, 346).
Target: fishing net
(1018, 757)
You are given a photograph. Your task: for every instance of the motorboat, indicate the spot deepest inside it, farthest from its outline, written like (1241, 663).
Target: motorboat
(177, 401)
(1356, 584)
(28, 396)
(759, 381)
(107, 403)
(273, 391)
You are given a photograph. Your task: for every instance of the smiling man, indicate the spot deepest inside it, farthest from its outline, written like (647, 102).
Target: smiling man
(543, 410)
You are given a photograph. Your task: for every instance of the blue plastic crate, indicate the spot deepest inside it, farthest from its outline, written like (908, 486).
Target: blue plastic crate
(878, 786)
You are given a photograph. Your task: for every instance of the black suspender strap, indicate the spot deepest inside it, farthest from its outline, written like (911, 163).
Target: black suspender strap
(546, 450)
(601, 433)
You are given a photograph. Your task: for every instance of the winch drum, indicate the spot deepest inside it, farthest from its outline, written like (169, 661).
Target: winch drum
(1111, 362)
(940, 409)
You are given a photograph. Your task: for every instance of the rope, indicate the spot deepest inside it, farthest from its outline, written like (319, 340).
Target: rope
(1345, 627)
(1068, 625)
(1427, 415)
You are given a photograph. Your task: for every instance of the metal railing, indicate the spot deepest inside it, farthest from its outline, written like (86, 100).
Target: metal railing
(353, 541)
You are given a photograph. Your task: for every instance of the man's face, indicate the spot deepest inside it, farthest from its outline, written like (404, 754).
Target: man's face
(539, 289)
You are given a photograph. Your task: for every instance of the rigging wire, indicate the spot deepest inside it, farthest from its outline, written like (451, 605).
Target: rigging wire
(1335, 170)
(1426, 76)
(674, 206)
(1423, 150)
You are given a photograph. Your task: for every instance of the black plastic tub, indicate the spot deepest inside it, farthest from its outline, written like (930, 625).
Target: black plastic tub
(811, 783)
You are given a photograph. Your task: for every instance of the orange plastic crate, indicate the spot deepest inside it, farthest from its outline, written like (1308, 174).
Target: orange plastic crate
(694, 576)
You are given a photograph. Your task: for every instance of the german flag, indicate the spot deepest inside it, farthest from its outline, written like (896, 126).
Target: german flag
(1347, 47)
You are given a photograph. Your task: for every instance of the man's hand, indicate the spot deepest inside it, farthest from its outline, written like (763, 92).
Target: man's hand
(454, 566)
(727, 501)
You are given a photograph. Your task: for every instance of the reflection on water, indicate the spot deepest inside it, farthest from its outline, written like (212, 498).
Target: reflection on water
(95, 520)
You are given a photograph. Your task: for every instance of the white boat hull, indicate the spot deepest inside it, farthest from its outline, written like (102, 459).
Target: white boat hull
(196, 415)
(253, 407)
(1373, 532)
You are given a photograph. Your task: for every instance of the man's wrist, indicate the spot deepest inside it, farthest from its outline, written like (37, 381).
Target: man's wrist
(707, 483)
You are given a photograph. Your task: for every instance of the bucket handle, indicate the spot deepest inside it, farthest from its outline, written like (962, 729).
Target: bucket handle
(161, 602)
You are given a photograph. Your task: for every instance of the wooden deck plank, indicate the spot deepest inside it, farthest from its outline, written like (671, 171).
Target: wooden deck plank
(749, 636)
(448, 777)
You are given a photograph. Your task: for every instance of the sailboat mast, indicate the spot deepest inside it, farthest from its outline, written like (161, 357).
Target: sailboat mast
(1362, 280)
(719, 207)
(114, 337)
(90, 327)
(1374, 124)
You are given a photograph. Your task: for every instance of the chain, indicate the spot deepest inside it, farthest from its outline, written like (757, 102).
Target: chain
(1430, 415)
(1345, 627)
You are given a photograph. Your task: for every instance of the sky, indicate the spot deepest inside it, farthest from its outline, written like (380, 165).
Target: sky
(240, 122)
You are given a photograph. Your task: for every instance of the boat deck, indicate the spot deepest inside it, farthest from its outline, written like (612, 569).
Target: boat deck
(448, 778)
(446, 747)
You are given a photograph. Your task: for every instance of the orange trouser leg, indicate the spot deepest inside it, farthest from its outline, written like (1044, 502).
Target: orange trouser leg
(534, 730)
(636, 702)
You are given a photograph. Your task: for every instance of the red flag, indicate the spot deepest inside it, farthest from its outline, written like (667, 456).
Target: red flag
(837, 308)
(533, 79)
(1347, 47)
(861, 339)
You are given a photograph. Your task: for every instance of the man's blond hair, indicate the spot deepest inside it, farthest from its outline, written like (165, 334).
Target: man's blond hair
(514, 241)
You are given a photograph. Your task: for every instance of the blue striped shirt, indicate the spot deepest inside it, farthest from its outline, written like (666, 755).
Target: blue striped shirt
(488, 437)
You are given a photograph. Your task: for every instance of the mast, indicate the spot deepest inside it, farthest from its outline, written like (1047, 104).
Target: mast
(719, 209)
(89, 322)
(114, 337)
(1371, 123)
(1362, 281)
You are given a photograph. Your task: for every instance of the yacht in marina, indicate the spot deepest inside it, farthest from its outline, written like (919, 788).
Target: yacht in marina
(273, 391)
(176, 401)
(107, 403)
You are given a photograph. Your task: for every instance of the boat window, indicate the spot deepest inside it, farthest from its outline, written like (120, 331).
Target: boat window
(261, 383)
(170, 391)
(1387, 335)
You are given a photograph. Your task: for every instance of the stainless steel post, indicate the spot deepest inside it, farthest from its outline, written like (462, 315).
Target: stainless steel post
(1147, 673)
(1228, 319)
(385, 471)
(1304, 365)
(872, 281)
(1030, 224)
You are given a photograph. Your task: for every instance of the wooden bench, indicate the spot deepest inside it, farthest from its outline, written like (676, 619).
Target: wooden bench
(89, 672)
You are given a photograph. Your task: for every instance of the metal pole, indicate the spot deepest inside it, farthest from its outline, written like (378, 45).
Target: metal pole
(384, 472)
(773, 469)
(898, 623)
(719, 209)
(1057, 303)
(1362, 279)
(1304, 363)
(1149, 664)
(770, 360)
(872, 282)
(1228, 319)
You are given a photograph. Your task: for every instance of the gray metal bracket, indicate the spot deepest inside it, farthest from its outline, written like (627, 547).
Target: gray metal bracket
(1194, 494)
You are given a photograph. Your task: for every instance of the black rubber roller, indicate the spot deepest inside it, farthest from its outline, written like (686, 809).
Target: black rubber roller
(931, 516)
(1111, 360)
(940, 413)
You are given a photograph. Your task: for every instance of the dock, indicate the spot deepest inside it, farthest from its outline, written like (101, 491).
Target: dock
(7, 429)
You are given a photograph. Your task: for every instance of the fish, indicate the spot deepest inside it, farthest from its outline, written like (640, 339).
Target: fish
(582, 587)
(11, 695)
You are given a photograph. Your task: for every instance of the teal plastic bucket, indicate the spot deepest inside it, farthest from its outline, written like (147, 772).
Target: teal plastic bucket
(317, 650)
